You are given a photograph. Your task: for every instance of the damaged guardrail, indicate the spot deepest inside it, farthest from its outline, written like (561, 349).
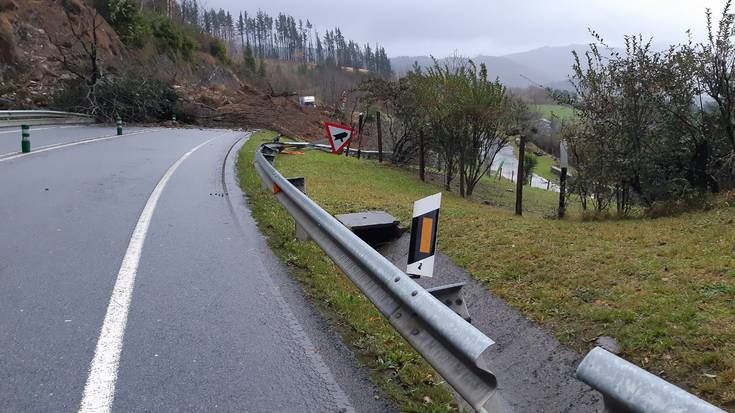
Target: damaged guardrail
(628, 388)
(455, 348)
(41, 117)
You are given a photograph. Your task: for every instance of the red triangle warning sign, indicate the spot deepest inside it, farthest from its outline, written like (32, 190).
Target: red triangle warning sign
(339, 136)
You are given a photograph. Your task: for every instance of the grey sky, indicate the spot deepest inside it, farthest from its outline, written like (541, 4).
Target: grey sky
(491, 27)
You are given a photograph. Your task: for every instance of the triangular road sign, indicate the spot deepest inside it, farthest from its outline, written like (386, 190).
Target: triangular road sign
(339, 136)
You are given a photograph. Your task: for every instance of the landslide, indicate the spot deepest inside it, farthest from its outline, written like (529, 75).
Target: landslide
(37, 36)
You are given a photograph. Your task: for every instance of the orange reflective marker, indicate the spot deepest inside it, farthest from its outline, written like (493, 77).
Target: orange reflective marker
(276, 189)
(426, 232)
(423, 236)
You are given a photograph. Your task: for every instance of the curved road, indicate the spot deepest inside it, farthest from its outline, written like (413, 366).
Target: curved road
(132, 278)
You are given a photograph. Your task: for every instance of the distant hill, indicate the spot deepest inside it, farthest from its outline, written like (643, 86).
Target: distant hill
(555, 62)
(508, 71)
(549, 66)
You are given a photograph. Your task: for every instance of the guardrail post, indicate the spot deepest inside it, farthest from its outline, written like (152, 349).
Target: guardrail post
(25, 138)
(119, 126)
(300, 184)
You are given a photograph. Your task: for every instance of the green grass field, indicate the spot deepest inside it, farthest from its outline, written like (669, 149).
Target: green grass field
(664, 288)
(549, 110)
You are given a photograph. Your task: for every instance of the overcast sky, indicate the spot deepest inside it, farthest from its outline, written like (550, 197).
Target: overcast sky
(490, 27)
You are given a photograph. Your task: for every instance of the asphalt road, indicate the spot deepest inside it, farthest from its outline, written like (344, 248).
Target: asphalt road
(133, 278)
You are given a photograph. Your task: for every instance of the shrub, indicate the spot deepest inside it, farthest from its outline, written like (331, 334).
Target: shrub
(170, 38)
(124, 16)
(529, 165)
(218, 50)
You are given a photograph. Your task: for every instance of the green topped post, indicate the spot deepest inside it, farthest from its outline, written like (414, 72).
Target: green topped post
(25, 138)
(119, 126)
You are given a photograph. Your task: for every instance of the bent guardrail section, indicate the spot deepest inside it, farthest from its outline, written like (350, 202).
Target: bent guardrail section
(366, 153)
(41, 117)
(455, 348)
(628, 388)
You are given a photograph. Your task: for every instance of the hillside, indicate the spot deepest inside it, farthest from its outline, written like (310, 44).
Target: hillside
(43, 49)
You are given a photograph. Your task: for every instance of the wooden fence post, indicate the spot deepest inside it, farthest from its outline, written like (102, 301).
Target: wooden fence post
(519, 181)
(380, 137)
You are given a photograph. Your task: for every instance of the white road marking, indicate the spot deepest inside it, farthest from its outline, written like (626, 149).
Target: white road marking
(46, 148)
(99, 392)
(35, 129)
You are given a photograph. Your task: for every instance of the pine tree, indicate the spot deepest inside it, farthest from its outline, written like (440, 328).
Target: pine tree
(249, 59)
(261, 69)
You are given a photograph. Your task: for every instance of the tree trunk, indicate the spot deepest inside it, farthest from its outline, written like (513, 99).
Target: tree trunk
(422, 157)
(380, 138)
(462, 174)
(519, 181)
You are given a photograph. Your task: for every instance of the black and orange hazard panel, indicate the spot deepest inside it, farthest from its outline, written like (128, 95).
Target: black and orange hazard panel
(423, 236)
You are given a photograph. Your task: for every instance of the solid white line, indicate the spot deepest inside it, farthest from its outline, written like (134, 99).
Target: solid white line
(35, 129)
(99, 392)
(15, 155)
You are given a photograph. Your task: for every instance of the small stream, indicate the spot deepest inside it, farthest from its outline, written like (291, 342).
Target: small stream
(509, 162)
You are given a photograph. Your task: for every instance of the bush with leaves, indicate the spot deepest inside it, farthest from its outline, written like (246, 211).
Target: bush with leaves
(219, 51)
(530, 162)
(170, 38)
(125, 17)
(463, 116)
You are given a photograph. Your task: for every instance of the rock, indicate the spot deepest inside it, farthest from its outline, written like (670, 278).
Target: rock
(609, 344)
(7, 5)
(8, 50)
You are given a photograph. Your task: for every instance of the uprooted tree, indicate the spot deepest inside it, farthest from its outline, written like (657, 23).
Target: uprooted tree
(77, 51)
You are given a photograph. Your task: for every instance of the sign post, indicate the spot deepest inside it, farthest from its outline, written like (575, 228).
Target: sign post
(380, 137)
(564, 163)
(339, 136)
(422, 156)
(423, 236)
(360, 124)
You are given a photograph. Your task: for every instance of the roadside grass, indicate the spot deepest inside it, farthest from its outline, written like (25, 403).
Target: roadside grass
(664, 288)
(549, 110)
(402, 374)
(501, 194)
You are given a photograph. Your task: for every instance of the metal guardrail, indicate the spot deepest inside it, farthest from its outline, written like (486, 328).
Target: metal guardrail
(628, 388)
(455, 348)
(41, 117)
(326, 148)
